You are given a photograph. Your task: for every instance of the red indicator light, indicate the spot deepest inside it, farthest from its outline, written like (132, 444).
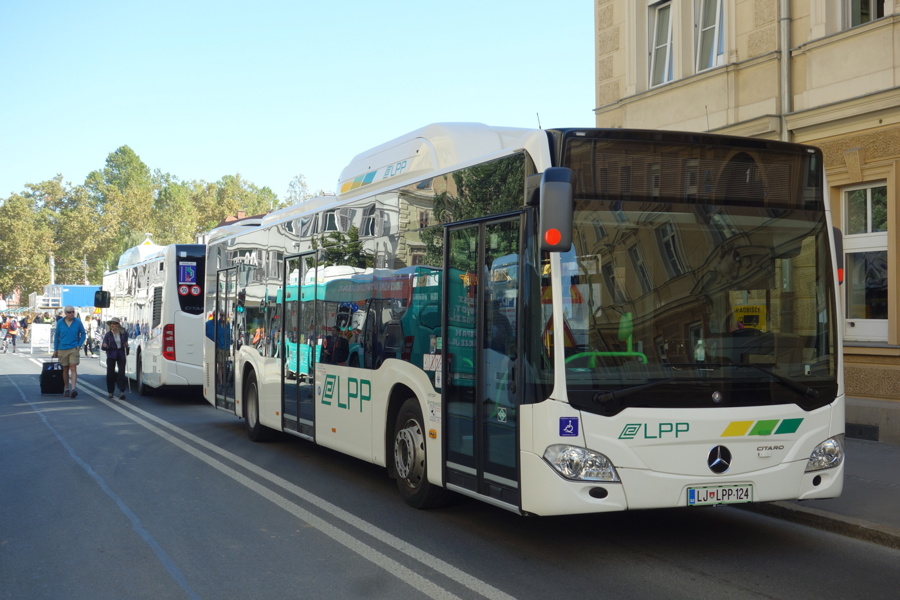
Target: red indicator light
(168, 350)
(840, 274)
(552, 236)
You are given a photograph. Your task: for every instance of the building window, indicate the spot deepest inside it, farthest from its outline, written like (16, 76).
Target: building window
(654, 178)
(661, 51)
(867, 210)
(865, 246)
(691, 179)
(330, 222)
(863, 11)
(710, 43)
(367, 228)
(669, 245)
(614, 284)
(599, 229)
(640, 267)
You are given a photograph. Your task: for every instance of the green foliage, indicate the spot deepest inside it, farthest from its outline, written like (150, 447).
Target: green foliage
(24, 246)
(124, 170)
(87, 227)
(490, 188)
(343, 249)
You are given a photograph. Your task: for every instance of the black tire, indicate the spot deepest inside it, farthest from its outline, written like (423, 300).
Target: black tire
(409, 462)
(256, 431)
(142, 388)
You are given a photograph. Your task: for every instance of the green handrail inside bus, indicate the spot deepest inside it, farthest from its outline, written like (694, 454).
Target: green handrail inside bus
(593, 356)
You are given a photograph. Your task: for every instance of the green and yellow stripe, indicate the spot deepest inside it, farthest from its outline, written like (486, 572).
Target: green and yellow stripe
(767, 427)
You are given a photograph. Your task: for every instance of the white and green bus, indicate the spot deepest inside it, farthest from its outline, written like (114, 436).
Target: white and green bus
(548, 320)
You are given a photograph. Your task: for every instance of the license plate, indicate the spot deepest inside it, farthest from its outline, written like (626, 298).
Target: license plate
(719, 494)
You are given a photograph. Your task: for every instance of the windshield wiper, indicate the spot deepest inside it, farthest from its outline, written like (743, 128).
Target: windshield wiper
(604, 397)
(800, 388)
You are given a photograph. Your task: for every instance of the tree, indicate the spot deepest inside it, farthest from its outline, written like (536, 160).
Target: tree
(491, 188)
(343, 249)
(231, 194)
(238, 194)
(174, 218)
(25, 246)
(86, 228)
(125, 169)
(123, 195)
(298, 191)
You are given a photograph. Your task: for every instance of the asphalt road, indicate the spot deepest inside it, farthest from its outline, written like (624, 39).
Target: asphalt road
(164, 497)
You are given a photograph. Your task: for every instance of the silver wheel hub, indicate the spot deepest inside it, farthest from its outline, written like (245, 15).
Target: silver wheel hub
(409, 453)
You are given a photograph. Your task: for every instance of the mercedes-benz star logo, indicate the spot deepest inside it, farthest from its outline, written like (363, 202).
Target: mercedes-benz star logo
(719, 459)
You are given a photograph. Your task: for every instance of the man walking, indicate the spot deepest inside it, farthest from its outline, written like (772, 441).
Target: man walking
(69, 337)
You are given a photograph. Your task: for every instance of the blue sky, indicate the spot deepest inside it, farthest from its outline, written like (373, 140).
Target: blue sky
(202, 89)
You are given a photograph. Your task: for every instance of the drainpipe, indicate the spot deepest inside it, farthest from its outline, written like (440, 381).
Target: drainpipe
(786, 92)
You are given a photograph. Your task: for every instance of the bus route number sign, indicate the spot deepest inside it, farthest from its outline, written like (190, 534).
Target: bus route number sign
(187, 272)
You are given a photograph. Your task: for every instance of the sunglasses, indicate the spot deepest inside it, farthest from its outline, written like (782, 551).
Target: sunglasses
(70, 312)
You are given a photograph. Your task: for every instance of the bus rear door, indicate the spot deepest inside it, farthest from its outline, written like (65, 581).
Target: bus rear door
(221, 330)
(300, 343)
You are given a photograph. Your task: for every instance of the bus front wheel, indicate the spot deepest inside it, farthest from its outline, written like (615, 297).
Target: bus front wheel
(409, 459)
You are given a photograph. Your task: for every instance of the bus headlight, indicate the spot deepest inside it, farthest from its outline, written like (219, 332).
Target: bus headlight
(580, 464)
(827, 455)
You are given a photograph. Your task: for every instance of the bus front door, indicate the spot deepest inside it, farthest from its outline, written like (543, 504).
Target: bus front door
(300, 345)
(222, 332)
(479, 392)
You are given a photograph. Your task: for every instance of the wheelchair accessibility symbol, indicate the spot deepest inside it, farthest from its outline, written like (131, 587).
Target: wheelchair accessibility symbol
(568, 426)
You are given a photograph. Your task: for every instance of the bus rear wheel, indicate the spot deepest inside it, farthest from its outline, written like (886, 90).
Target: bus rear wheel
(409, 459)
(256, 431)
(142, 388)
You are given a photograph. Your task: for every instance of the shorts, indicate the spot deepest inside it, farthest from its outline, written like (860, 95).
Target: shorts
(69, 357)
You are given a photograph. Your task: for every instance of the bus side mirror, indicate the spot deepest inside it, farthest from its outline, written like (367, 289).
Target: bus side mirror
(101, 299)
(556, 209)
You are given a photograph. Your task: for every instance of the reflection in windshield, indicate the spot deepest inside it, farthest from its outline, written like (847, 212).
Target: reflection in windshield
(675, 296)
(692, 264)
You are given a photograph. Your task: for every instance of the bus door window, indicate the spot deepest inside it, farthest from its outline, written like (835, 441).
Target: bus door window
(298, 341)
(481, 392)
(222, 334)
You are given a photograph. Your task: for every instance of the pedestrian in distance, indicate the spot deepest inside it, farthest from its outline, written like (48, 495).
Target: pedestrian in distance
(220, 331)
(4, 332)
(115, 344)
(12, 328)
(89, 337)
(67, 342)
(98, 337)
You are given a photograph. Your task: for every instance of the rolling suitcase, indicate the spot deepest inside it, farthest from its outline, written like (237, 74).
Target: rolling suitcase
(52, 378)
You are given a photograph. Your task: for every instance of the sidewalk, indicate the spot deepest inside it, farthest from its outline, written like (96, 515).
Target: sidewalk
(868, 509)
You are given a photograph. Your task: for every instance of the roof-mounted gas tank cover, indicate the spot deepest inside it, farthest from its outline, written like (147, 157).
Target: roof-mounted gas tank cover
(428, 151)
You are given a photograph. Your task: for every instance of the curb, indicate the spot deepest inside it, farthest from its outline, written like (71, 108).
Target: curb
(828, 521)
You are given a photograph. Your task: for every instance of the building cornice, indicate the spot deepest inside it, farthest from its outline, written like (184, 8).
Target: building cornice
(844, 117)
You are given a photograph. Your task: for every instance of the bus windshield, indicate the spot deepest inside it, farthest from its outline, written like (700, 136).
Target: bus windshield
(697, 277)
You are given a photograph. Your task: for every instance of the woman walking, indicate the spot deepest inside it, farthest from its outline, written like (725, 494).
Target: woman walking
(115, 344)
